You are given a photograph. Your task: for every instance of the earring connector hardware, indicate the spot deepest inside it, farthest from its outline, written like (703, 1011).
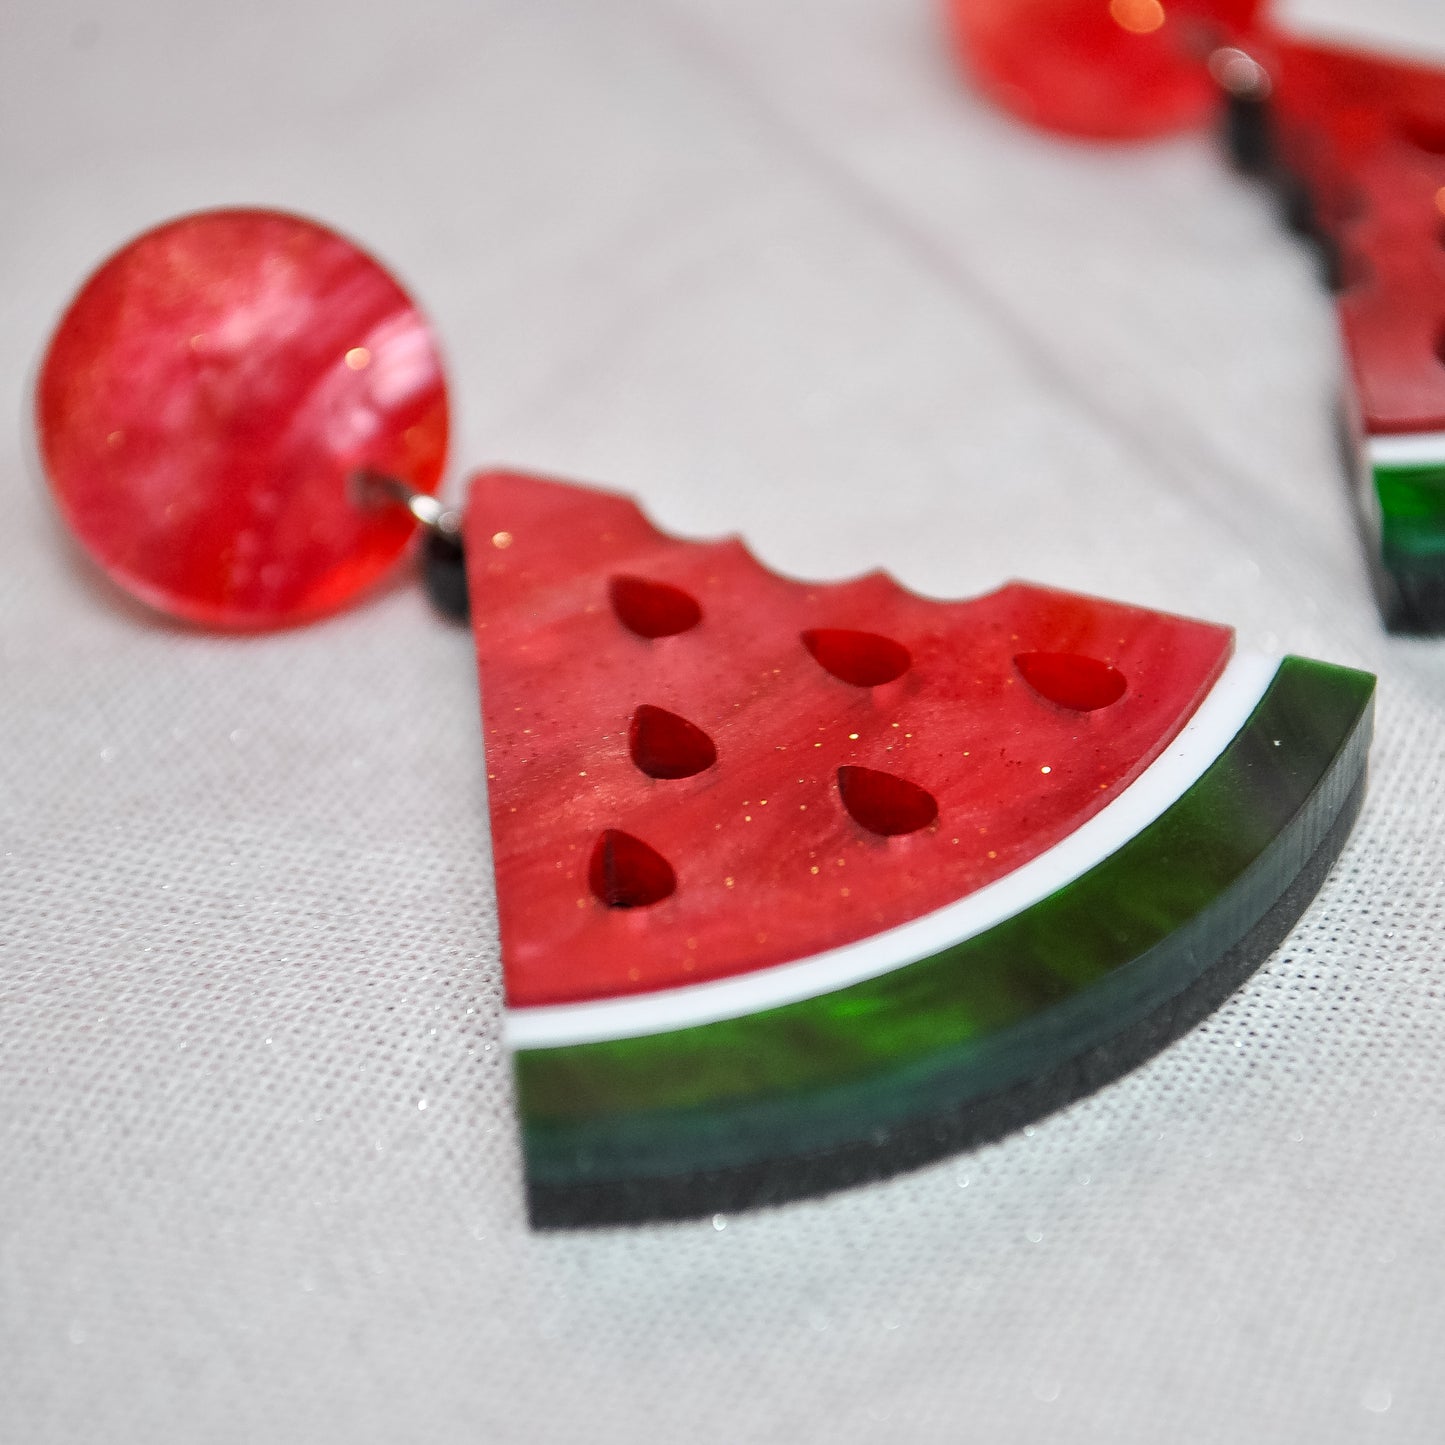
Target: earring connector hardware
(370, 487)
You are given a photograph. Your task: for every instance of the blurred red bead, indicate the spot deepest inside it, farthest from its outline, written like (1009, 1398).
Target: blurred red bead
(207, 398)
(1107, 69)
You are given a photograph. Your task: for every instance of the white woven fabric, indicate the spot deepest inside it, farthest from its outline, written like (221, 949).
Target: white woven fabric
(771, 268)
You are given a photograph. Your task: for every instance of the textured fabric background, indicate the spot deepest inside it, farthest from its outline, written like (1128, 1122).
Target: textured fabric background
(770, 267)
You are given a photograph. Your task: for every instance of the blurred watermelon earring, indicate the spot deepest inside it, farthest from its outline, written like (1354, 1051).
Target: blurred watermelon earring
(1353, 147)
(798, 884)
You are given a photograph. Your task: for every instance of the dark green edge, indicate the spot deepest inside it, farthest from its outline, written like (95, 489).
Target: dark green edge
(966, 1045)
(1410, 582)
(1399, 515)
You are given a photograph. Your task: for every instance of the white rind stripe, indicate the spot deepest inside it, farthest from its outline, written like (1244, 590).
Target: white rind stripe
(1418, 449)
(1214, 725)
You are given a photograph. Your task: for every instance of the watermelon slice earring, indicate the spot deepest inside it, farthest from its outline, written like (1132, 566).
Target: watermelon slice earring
(798, 885)
(1353, 146)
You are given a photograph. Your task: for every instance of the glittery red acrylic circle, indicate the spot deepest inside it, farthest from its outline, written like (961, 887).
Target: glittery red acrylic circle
(206, 401)
(1109, 69)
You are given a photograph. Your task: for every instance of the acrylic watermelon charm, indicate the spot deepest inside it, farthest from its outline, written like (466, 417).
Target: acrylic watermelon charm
(816, 883)
(798, 885)
(1355, 145)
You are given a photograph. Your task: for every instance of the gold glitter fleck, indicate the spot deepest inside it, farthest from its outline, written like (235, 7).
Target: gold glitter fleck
(1138, 17)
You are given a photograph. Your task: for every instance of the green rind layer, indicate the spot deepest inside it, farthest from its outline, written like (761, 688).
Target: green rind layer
(1411, 539)
(984, 1016)
(1412, 512)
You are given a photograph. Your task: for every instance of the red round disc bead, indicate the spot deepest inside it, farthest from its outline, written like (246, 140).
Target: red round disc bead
(207, 400)
(1106, 69)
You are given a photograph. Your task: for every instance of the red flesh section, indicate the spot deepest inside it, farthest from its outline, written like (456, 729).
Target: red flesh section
(769, 863)
(1367, 136)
